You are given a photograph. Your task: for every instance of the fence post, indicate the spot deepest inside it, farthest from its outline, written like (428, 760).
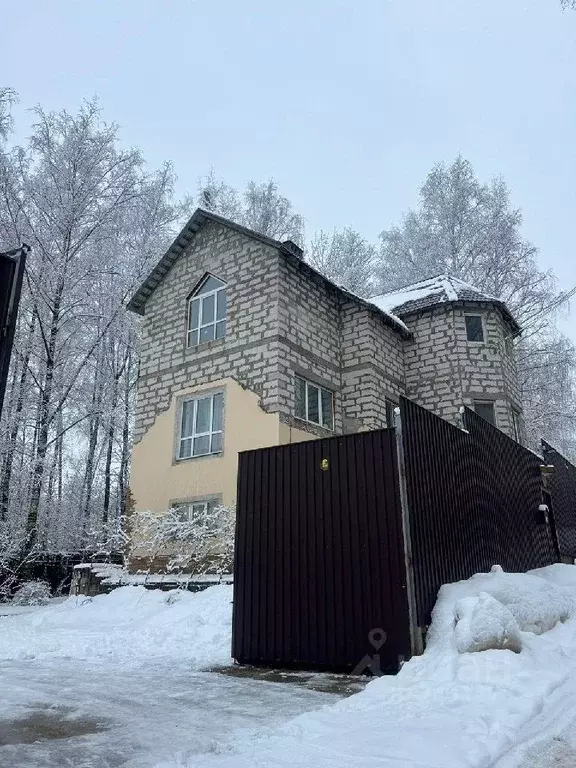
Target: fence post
(416, 643)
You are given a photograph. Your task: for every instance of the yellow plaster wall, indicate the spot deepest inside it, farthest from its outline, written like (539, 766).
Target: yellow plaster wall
(157, 479)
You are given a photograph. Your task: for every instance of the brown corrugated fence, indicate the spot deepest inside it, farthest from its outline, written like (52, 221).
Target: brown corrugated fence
(319, 565)
(473, 500)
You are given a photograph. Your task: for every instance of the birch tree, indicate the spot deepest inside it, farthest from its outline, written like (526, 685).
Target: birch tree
(345, 257)
(96, 220)
(470, 230)
(260, 207)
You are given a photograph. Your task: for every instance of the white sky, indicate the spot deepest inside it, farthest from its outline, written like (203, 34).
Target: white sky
(346, 104)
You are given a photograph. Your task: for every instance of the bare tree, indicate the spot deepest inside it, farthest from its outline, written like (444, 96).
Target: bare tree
(96, 220)
(345, 257)
(261, 207)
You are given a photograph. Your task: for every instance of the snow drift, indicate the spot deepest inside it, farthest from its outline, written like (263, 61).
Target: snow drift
(131, 624)
(449, 708)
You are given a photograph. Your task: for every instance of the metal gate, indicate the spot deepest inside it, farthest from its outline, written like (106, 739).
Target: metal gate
(320, 578)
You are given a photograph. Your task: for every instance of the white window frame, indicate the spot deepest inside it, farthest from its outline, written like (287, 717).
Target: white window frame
(194, 434)
(320, 389)
(187, 507)
(483, 322)
(200, 298)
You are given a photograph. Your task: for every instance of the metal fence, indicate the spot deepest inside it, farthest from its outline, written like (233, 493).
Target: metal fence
(561, 483)
(319, 564)
(343, 543)
(12, 265)
(474, 500)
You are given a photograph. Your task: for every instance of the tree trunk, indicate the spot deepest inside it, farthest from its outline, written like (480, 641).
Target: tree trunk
(8, 460)
(44, 419)
(125, 456)
(109, 451)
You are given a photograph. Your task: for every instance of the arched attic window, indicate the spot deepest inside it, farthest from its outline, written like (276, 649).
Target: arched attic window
(207, 312)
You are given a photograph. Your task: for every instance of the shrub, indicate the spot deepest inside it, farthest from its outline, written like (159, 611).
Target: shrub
(32, 593)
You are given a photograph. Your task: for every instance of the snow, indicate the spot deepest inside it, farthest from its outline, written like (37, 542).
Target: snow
(385, 311)
(131, 624)
(443, 287)
(447, 708)
(483, 623)
(121, 680)
(132, 664)
(116, 574)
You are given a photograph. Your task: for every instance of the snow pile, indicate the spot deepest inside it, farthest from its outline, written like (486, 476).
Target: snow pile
(448, 708)
(131, 624)
(502, 604)
(484, 623)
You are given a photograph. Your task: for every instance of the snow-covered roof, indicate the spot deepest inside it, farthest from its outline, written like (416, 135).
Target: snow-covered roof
(430, 293)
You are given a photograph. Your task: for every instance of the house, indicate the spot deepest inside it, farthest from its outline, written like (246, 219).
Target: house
(244, 345)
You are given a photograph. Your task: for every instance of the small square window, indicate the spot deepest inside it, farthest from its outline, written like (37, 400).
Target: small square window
(485, 409)
(474, 328)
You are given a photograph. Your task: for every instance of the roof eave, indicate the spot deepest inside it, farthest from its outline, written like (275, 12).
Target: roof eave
(500, 305)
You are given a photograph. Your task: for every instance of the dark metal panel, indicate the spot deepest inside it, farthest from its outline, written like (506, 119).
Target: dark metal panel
(562, 487)
(319, 554)
(12, 264)
(473, 499)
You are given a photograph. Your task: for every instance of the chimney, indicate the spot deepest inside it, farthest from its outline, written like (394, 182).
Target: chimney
(294, 249)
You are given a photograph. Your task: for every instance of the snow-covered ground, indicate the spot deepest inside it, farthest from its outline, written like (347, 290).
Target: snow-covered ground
(451, 709)
(122, 680)
(117, 681)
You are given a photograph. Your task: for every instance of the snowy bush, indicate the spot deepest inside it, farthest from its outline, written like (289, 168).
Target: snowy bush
(32, 593)
(184, 542)
(483, 623)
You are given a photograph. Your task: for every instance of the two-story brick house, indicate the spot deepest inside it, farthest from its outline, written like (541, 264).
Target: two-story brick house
(244, 345)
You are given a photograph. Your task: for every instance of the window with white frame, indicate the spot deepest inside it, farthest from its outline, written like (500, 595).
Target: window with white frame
(474, 328)
(203, 513)
(201, 426)
(207, 312)
(314, 403)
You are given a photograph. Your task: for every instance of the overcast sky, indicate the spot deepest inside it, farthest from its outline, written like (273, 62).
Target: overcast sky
(346, 104)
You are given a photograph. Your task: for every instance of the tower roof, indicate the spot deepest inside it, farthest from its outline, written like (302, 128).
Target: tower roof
(434, 292)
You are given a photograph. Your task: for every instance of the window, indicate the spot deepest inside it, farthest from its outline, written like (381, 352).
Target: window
(516, 428)
(509, 345)
(207, 312)
(390, 406)
(486, 410)
(201, 426)
(314, 404)
(474, 328)
(201, 513)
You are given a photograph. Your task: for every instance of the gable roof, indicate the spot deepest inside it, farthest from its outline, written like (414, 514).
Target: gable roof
(181, 242)
(436, 291)
(287, 249)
